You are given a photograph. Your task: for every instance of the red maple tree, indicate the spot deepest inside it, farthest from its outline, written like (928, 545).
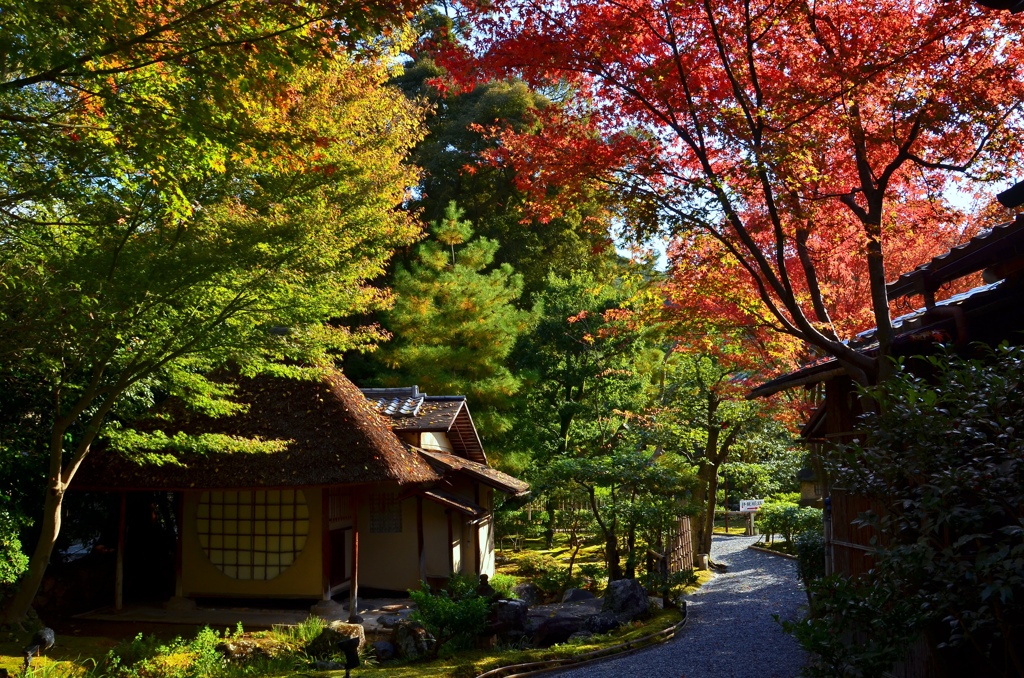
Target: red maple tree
(814, 142)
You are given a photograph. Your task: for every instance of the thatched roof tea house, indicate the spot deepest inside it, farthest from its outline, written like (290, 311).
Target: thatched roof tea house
(353, 494)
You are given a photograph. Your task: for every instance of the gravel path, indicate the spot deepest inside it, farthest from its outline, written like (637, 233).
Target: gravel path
(730, 632)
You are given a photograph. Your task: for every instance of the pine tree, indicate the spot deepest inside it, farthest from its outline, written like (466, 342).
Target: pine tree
(455, 322)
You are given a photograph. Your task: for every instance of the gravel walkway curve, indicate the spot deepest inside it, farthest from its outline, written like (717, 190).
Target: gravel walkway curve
(730, 632)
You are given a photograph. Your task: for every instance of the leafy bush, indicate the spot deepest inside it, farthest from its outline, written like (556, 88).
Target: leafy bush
(148, 657)
(13, 561)
(787, 520)
(504, 585)
(531, 563)
(672, 587)
(858, 630)
(128, 653)
(454, 616)
(810, 553)
(553, 579)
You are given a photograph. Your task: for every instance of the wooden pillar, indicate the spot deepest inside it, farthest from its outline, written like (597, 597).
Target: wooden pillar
(419, 539)
(119, 571)
(353, 591)
(179, 515)
(325, 542)
(451, 544)
(476, 531)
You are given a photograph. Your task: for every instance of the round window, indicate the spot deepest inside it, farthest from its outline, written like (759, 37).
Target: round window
(252, 534)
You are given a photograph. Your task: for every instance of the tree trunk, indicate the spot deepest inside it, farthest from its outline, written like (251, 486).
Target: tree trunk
(879, 300)
(611, 554)
(549, 526)
(19, 605)
(709, 515)
(631, 553)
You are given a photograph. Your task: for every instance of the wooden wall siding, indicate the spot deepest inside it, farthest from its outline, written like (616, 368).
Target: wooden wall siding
(851, 547)
(918, 662)
(680, 546)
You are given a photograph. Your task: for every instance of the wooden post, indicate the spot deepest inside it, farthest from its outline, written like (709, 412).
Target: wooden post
(476, 532)
(419, 539)
(353, 590)
(451, 544)
(325, 542)
(119, 571)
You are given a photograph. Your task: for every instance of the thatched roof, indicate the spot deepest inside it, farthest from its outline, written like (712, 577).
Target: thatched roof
(334, 436)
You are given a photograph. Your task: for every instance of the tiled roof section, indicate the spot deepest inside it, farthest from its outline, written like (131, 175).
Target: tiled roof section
(907, 322)
(987, 300)
(503, 482)
(997, 244)
(444, 414)
(334, 437)
(397, 403)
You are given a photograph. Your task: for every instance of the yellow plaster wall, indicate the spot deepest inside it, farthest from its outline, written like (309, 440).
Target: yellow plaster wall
(435, 539)
(390, 561)
(303, 579)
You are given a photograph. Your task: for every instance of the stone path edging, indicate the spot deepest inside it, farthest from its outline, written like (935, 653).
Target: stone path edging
(774, 553)
(537, 668)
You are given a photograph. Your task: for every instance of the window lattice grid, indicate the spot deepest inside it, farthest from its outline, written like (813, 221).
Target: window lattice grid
(252, 534)
(385, 513)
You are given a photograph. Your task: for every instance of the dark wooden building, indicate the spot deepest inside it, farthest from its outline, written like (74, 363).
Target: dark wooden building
(990, 314)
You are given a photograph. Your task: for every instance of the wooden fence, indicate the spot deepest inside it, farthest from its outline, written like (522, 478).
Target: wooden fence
(680, 546)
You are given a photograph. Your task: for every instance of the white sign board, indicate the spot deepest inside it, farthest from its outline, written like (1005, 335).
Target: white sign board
(750, 504)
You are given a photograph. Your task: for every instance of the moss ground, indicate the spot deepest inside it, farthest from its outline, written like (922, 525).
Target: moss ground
(71, 655)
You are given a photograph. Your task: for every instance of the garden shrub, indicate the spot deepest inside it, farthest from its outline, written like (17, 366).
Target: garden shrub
(810, 552)
(672, 588)
(454, 616)
(553, 579)
(13, 561)
(857, 630)
(504, 585)
(787, 520)
(531, 563)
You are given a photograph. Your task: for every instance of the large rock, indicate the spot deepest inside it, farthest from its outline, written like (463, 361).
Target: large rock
(326, 644)
(509, 617)
(627, 600)
(529, 593)
(574, 595)
(244, 650)
(384, 650)
(606, 622)
(411, 640)
(551, 624)
(389, 621)
(557, 628)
